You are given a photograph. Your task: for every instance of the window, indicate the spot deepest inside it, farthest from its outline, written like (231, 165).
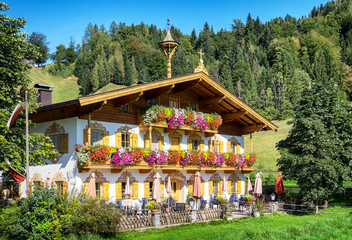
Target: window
(214, 145)
(150, 189)
(124, 108)
(216, 187)
(233, 146)
(195, 144)
(234, 187)
(175, 143)
(99, 189)
(126, 139)
(59, 186)
(96, 137)
(193, 106)
(174, 102)
(123, 184)
(151, 102)
(56, 139)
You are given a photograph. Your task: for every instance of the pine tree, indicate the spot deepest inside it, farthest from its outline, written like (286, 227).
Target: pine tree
(94, 80)
(128, 71)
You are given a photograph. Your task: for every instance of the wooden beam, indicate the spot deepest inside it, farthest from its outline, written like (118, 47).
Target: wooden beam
(126, 99)
(228, 171)
(168, 130)
(209, 134)
(210, 171)
(168, 171)
(253, 128)
(144, 170)
(233, 115)
(192, 171)
(150, 94)
(184, 86)
(212, 100)
(189, 132)
(143, 128)
(116, 170)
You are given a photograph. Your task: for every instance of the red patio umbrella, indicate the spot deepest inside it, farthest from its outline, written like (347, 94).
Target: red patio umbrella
(197, 188)
(224, 186)
(279, 186)
(249, 185)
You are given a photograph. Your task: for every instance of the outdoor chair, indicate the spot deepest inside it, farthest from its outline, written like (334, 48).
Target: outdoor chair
(242, 203)
(214, 202)
(180, 207)
(203, 204)
(119, 204)
(144, 202)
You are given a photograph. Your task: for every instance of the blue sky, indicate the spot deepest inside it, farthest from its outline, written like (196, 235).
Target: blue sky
(62, 19)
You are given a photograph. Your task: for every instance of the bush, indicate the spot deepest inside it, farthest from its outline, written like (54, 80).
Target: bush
(40, 214)
(8, 219)
(92, 217)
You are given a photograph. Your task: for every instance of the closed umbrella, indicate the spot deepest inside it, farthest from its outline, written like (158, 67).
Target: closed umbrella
(168, 190)
(91, 191)
(224, 186)
(128, 189)
(197, 188)
(258, 185)
(249, 185)
(279, 186)
(156, 188)
(48, 179)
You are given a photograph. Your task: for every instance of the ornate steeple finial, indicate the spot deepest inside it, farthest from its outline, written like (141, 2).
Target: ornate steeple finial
(201, 67)
(168, 46)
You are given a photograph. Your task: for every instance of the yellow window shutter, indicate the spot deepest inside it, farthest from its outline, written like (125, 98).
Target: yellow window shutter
(210, 146)
(118, 139)
(203, 188)
(202, 145)
(146, 189)
(106, 191)
(135, 140)
(41, 184)
(106, 138)
(146, 142)
(161, 142)
(162, 186)
(210, 187)
(135, 190)
(238, 148)
(85, 187)
(190, 187)
(228, 147)
(30, 187)
(229, 185)
(65, 187)
(221, 147)
(239, 185)
(189, 144)
(221, 183)
(64, 143)
(118, 186)
(85, 137)
(52, 185)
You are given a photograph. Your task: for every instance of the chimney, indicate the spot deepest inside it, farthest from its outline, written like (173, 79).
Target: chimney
(45, 94)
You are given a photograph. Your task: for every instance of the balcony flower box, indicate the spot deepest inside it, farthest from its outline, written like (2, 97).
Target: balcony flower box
(181, 118)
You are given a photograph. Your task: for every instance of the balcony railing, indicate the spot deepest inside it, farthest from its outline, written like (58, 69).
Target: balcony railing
(99, 156)
(177, 118)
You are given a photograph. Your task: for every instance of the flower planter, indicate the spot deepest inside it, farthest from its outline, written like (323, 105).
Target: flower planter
(223, 204)
(249, 202)
(155, 210)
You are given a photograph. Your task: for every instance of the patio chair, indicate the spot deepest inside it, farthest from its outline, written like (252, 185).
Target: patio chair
(214, 202)
(144, 202)
(180, 207)
(242, 203)
(119, 204)
(203, 204)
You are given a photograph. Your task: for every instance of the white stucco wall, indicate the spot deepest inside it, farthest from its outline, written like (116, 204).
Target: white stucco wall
(67, 164)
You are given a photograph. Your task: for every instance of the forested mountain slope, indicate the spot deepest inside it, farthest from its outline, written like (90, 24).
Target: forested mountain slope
(265, 64)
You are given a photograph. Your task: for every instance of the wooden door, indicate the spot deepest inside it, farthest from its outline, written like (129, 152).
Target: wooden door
(176, 189)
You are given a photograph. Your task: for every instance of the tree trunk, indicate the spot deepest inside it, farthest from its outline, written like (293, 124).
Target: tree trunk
(325, 203)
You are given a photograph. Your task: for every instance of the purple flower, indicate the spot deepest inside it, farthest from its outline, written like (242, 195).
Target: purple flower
(241, 161)
(122, 157)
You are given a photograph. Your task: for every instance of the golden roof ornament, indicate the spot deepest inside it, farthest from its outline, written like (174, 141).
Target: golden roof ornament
(168, 46)
(201, 67)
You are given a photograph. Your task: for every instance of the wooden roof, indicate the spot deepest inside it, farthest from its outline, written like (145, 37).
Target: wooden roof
(211, 94)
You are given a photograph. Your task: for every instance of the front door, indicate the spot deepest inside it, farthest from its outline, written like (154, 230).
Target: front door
(176, 188)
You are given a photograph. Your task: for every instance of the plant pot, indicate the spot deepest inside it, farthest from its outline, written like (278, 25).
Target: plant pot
(223, 204)
(155, 210)
(249, 202)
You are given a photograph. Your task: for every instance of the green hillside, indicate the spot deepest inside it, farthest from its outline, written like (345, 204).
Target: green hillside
(264, 144)
(64, 88)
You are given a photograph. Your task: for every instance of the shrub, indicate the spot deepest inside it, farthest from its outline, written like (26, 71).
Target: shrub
(8, 219)
(92, 217)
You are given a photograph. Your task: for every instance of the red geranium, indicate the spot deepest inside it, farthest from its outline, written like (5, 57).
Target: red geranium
(174, 157)
(232, 160)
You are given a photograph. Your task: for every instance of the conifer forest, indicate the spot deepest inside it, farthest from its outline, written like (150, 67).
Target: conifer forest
(267, 65)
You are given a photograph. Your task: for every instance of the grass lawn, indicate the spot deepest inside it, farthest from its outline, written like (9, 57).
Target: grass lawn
(322, 226)
(264, 144)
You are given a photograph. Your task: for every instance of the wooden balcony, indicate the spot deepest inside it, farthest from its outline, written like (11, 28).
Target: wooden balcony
(144, 167)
